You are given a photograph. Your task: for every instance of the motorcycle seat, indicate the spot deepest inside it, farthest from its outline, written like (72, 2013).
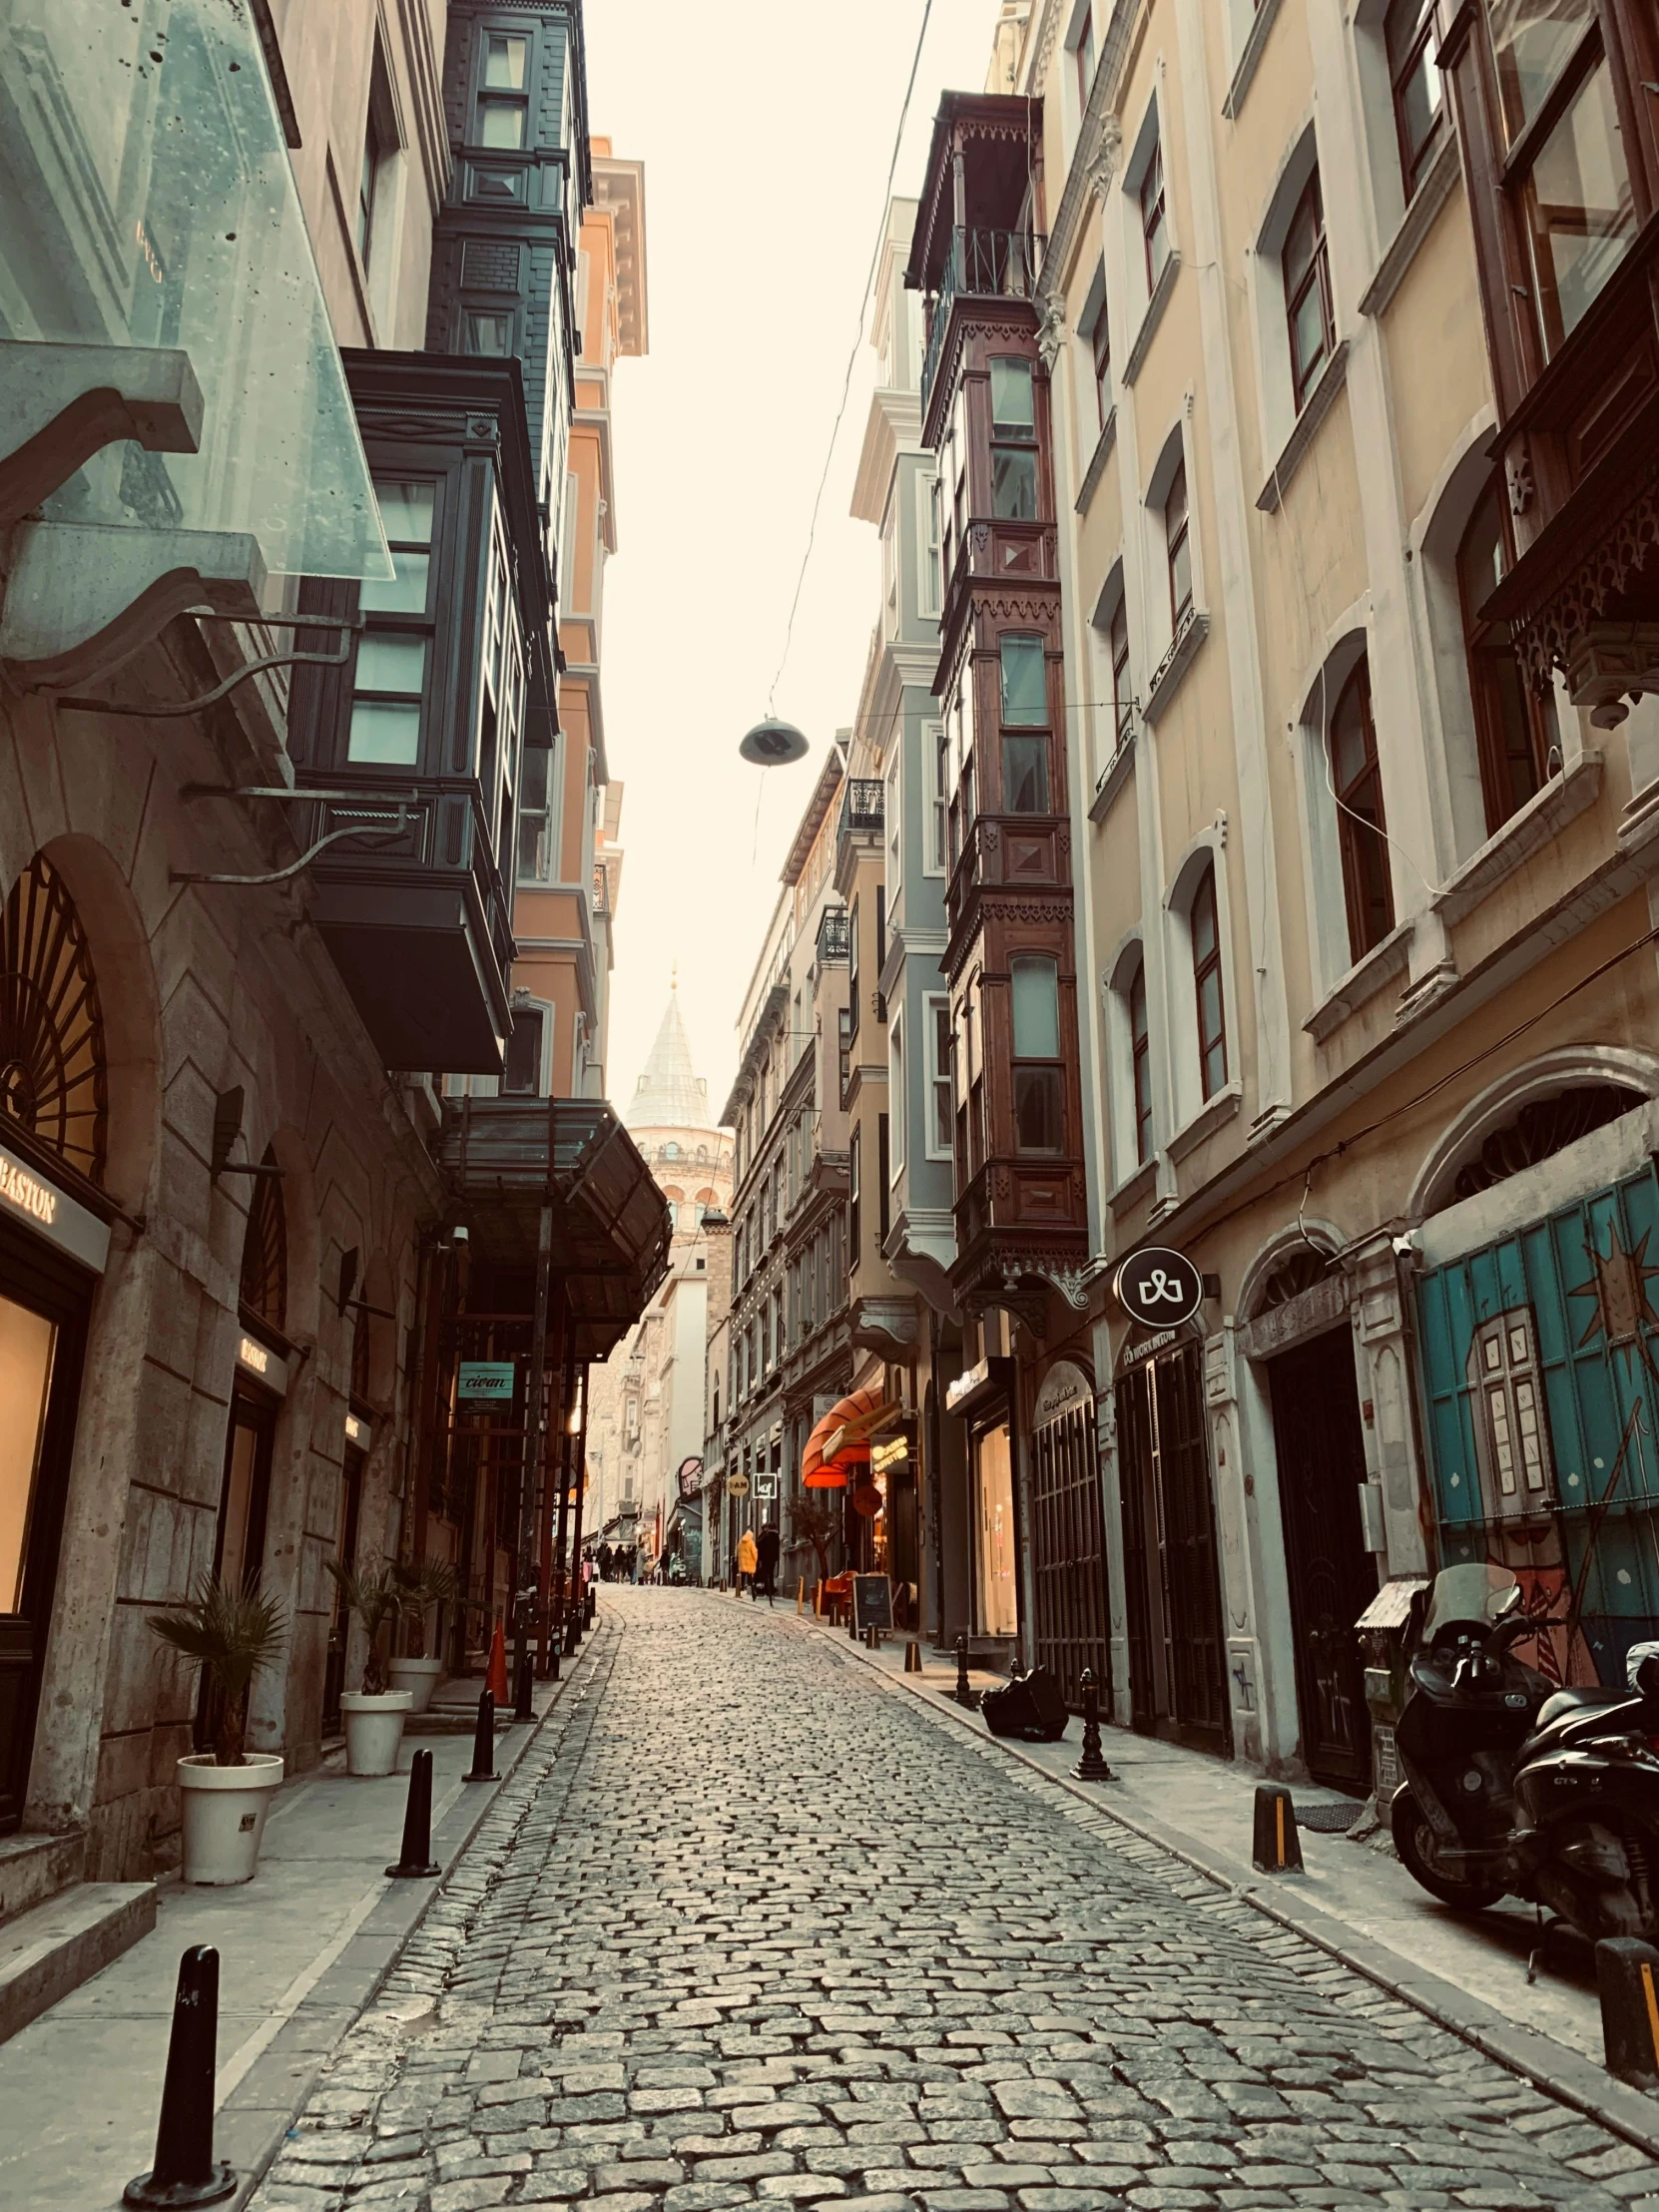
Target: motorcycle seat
(1560, 1701)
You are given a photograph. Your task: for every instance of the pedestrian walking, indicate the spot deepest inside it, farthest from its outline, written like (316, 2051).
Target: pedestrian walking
(749, 1558)
(771, 1544)
(605, 1563)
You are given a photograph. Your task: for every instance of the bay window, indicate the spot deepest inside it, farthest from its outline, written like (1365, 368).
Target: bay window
(1013, 442)
(389, 681)
(1039, 1121)
(1025, 698)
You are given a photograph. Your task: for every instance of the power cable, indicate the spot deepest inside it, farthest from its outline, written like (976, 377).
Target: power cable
(852, 358)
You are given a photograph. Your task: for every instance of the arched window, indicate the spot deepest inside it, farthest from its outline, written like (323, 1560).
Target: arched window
(1212, 1012)
(671, 1151)
(265, 1252)
(1356, 784)
(1515, 728)
(52, 1068)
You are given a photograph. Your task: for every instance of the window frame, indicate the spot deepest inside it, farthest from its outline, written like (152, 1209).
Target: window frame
(1349, 829)
(1016, 439)
(484, 94)
(1140, 1063)
(1206, 966)
(936, 1006)
(1413, 164)
(1316, 272)
(1154, 212)
(1100, 355)
(1485, 643)
(1178, 544)
(1123, 688)
(403, 623)
(1051, 1066)
(937, 739)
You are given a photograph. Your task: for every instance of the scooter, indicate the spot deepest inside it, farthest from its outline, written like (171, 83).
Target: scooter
(1515, 1787)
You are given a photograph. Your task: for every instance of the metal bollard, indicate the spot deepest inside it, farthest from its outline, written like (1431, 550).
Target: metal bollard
(483, 1743)
(1278, 1847)
(962, 1693)
(590, 1604)
(417, 1860)
(573, 1631)
(185, 2171)
(1092, 1766)
(912, 1657)
(1627, 1980)
(523, 1678)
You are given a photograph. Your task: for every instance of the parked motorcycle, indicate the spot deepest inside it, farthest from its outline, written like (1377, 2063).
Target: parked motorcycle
(1515, 1787)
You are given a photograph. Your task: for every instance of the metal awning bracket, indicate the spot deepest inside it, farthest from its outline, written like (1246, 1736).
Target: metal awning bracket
(403, 810)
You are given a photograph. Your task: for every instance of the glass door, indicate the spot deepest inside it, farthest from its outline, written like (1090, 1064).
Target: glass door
(245, 1496)
(994, 1532)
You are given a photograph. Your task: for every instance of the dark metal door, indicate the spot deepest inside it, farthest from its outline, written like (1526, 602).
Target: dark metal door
(1322, 1464)
(1197, 1648)
(1070, 1558)
(1176, 1644)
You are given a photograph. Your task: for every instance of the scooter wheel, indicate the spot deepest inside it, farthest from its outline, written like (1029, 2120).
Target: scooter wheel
(1414, 1841)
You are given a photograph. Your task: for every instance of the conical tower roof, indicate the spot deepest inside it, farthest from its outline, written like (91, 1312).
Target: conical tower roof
(670, 1093)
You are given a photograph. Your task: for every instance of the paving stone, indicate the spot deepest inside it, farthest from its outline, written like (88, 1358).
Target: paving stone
(686, 1968)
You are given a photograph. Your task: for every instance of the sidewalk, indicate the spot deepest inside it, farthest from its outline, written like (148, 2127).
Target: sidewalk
(1202, 1806)
(301, 1948)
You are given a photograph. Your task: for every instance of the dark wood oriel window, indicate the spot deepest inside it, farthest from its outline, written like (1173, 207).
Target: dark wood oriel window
(1409, 34)
(503, 91)
(1306, 266)
(1024, 710)
(1207, 990)
(1515, 728)
(1356, 781)
(1013, 441)
(1039, 1074)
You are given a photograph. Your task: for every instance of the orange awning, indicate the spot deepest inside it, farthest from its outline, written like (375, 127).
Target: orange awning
(856, 1415)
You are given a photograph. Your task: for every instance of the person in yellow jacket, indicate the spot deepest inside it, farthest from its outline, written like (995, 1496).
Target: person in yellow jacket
(749, 1558)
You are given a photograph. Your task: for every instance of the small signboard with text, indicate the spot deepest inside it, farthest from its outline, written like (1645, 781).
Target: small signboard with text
(765, 1487)
(871, 1602)
(485, 1382)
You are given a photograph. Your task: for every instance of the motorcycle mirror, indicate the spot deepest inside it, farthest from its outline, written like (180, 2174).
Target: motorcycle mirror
(1510, 1600)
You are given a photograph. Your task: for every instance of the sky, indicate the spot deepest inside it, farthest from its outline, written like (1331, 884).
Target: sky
(766, 128)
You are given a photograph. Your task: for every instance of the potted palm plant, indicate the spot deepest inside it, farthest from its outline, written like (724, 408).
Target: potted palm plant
(434, 1582)
(226, 1792)
(374, 1714)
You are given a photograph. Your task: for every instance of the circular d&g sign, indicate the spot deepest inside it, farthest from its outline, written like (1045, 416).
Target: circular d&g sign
(1159, 1288)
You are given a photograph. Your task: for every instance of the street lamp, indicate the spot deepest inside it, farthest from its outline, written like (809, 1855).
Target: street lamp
(773, 744)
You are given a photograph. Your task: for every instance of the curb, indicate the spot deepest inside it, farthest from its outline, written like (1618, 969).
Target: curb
(1564, 2074)
(279, 2081)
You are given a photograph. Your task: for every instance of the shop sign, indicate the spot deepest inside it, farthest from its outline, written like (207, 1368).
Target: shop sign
(358, 1434)
(970, 1380)
(893, 1455)
(1065, 1388)
(691, 1477)
(737, 1485)
(29, 1197)
(765, 1487)
(1159, 1288)
(487, 1381)
(266, 1365)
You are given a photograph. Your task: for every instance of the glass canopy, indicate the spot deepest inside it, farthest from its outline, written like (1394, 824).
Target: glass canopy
(147, 199)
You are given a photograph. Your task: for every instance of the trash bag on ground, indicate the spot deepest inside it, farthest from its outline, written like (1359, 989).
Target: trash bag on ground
(1028, 1706)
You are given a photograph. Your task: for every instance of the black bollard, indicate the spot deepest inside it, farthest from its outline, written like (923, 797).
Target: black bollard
(185, 2171)
(962, 1693)
(589, 1603)
(573, 1631)
(417, 1824)
(1627, 1979)
(1278, 1848)
(912, 1657)
(483, 1743)
(523, 1709)
(1092, 1766)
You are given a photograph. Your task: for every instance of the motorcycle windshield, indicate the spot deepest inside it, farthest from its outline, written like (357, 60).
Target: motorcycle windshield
(1481, 1595)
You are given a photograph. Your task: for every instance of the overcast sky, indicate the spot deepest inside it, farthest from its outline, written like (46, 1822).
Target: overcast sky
(766, 128)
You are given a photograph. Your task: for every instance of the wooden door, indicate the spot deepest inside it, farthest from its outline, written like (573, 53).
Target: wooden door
(1322, 1464)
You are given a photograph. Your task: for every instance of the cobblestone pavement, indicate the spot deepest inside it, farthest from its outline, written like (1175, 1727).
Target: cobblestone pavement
(749, 1926)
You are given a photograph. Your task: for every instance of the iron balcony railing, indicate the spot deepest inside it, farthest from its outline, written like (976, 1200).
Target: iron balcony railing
(831, 937)
(991, 264)
(862, 808)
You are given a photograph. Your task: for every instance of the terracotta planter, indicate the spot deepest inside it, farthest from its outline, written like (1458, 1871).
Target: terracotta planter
(420, 1677)
(374, 1730)
(225, 1813)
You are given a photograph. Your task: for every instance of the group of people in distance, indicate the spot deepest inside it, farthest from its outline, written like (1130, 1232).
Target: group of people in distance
(757, 1562)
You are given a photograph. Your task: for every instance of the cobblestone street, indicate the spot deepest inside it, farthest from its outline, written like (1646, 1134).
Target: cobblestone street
(750, 1925)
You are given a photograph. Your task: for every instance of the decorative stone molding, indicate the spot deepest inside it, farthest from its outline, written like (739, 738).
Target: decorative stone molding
(1112, 778)
(1250, 54)
(1361, 983)
(1567, 606)
(1314, 409)
(1101, 164)
(1167, 676)
(1214, 1114)
(1096, 469)
(81, 596)
(1525, 836)
(1154, 314)
(1610, 663)
(1134, 1189)
(1435, 188)
(1052, 328)
(61, 404)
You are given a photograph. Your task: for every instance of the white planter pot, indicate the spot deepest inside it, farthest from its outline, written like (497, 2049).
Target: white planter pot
(224, 1809)
(374, 1730)
(420, 1677)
